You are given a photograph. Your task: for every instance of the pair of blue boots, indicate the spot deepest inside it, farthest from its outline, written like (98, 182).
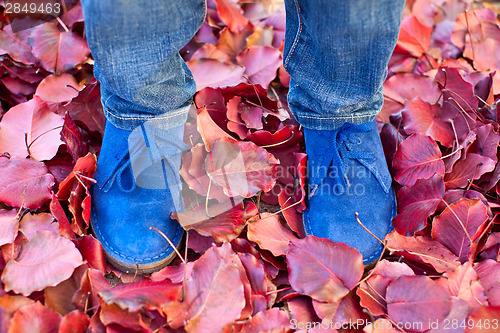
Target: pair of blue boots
(138, 187)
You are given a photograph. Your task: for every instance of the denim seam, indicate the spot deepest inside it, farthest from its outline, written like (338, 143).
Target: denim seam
(296, 41)
(145, 118)
(339, 117)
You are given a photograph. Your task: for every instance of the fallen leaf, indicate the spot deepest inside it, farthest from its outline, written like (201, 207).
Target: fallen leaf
(423, 303)
(24, 182)
(269, 233)
(417, 157)
(323, 269)
(31, 129)
(46, 260)
(58, 51)
(458, 224)
(35, 318)
(416, 203)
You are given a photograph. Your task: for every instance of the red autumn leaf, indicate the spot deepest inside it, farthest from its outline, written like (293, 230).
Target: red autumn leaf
(46, 260)
(215, 73)
(16, 45)
(235, 123)
(322, 269)
(483, 320)
(253, 94)
(86, 108)
(209, 129)
(92, 252)
(272, 320)
(456, 87)
(486, 142)
(58, 51)
(214, 294)
(91, 283)
(463, 283)
(422, 117)
(173, 273)
(194, 174)
(73, 190)
(60, 297)
(57, 211)
(302, 312)
(231, 14)
(73, 138)
(426, 301)
(417, 157)
(224, 223)
(261, 64)
(144, 293)
(35, 318)
(372, 294)
(24, 182)
(416, 203)
(58, 88)
(261, 293)
(407, 86)
(241, 168)
(414, 36)
(8, 226)
(457, 225)
(31, 129)
(423, 250)
(269, 233)
(467, 169)
(488, 272)
(74, 322)
(31, 223)
(119, 320)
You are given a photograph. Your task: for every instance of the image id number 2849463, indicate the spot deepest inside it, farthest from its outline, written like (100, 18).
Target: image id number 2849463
(34, 7)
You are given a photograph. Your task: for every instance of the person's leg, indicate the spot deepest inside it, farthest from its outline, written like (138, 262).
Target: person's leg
(146, 88)
(336, 53)
(135, 45)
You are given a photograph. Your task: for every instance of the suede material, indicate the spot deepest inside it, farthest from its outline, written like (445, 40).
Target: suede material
(358, 180)
(122, 212)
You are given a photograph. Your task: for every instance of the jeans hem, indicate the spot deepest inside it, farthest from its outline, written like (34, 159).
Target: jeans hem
(334, 122)
(166, 120)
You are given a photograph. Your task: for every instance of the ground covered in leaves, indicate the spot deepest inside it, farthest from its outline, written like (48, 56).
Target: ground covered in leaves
(250, 269)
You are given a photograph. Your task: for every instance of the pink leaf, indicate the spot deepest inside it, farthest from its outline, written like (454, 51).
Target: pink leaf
(425, 302)
(214, 73)
(58, 51)
(323, 269)
(457, 225)
(46, 260)
(214, 293)
(417, 157)
(136, 295)
(8, 226)
(57, 89)
(269, 233)
(35, 318)
(231, 14)
(241, 168)
(261, 64)
(422, 117)
(24, 182)
(416, 203)
(31, 129)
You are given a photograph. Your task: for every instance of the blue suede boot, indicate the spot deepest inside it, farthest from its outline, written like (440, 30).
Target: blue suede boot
(348, 174)
(138, 187)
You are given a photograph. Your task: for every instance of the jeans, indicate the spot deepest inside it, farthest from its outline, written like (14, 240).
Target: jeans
(336, 52)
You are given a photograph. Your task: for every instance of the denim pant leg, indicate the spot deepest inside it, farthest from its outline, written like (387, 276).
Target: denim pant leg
(135, 45)
(336, 52)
